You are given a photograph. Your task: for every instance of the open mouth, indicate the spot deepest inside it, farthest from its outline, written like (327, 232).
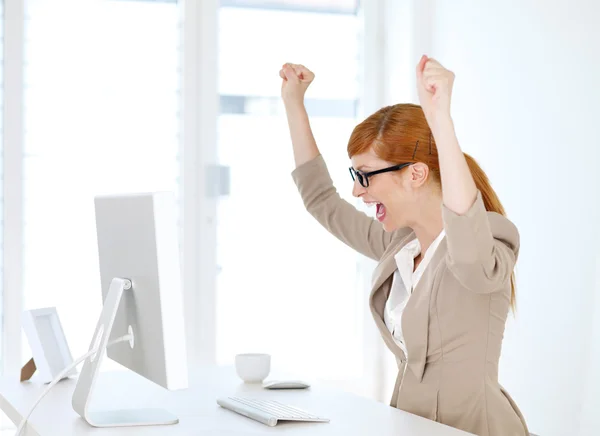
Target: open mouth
(380, 212)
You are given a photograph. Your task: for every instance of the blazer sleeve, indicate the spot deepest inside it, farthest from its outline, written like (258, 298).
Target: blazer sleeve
(482, 247)
(340, 218)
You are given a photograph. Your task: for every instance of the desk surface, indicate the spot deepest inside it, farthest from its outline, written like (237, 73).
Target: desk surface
(200, 415)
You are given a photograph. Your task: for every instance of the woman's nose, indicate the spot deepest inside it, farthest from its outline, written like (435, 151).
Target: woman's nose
(357, 189)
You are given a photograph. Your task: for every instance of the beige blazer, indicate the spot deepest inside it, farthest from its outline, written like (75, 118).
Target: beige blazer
(454, 321)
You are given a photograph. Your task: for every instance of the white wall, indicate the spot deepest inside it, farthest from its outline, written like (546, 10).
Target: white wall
(590, 418)
(527, 106)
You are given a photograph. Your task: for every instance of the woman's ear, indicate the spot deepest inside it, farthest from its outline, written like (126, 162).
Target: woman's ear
(419, 173)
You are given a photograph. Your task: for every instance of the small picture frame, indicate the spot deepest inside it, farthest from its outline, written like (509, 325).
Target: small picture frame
(51, 354)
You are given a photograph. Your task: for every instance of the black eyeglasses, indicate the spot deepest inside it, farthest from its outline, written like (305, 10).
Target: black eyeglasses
(363, 178)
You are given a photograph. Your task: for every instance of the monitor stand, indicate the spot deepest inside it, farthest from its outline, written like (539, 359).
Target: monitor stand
(89, 374)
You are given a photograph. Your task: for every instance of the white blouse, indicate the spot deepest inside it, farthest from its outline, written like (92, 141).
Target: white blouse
(404, 281)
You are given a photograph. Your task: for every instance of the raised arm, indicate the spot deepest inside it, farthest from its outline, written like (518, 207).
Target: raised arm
(340, 218)
(296, 80)
(482, 246)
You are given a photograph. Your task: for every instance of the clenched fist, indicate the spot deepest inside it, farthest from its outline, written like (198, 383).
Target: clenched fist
(296, 80)
(434, 86)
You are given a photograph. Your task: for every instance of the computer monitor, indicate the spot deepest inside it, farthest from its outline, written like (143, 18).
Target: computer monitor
(141, 290)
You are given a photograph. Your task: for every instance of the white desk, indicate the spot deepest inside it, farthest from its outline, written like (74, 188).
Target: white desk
(200, 415)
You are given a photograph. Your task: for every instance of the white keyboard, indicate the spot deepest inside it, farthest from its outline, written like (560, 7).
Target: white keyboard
(268, 412)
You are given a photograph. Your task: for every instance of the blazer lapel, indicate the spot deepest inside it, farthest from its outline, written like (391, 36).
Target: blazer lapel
(382, 280)
(387, 265)
(415, 318)
(382, 273)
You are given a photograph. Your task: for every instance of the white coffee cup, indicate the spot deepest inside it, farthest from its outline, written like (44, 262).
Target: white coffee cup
(253, 367)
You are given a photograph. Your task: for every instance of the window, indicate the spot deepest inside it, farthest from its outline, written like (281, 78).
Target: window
(102, 96)
(101, 116)
(324, 6)
(273, 257)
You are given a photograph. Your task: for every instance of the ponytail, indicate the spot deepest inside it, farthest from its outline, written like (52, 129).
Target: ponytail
(492, 203)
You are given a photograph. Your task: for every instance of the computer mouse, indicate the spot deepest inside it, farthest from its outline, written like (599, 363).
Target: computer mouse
(285, 384)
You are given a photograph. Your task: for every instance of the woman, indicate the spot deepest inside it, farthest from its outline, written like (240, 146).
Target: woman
(444, 283)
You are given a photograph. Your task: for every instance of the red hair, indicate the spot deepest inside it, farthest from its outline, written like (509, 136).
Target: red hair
(400, 134)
